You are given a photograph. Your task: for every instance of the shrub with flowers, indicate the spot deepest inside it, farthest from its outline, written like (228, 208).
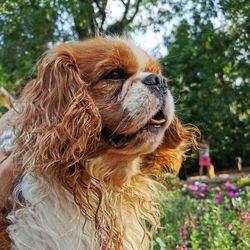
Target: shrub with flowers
(200, 216)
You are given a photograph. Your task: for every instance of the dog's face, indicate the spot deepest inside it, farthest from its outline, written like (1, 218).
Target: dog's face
(132, 96)
(101, 94)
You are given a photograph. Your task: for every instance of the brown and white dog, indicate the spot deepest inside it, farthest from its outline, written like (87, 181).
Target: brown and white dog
(94, 132)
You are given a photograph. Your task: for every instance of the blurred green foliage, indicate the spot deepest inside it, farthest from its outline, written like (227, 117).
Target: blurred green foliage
(28, 28)
(209, 70)
(207, 62)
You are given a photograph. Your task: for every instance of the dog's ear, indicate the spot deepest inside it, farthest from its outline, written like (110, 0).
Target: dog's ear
(59, 119)
(179, 138)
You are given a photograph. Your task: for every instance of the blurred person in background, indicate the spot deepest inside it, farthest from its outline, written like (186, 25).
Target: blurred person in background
(204, 157)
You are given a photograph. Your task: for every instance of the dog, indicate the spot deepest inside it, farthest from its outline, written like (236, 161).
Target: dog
(94, 132)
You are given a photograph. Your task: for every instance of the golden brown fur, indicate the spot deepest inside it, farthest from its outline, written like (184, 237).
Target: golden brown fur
(60, 119)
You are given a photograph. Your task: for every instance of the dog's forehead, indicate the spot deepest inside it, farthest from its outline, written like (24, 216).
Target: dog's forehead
(97, 56)
(141, 57)
(144, 61)
(114, 51)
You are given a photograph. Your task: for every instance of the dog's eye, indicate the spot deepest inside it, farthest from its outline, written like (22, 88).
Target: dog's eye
(116, 74)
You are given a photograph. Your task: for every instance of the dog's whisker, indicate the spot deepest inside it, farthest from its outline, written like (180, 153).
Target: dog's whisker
(125, 119)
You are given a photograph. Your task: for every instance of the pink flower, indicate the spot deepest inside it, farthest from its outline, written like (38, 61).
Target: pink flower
(183, 232)
(234, 188)
(204, 188)
(227, 206)
(227, 184)
(193, 187)
(232, 194)
(183, 246)
(230, 186)
(218, 199)
(200, 194)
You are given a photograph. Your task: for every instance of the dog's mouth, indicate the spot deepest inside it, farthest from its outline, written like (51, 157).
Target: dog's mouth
(156, 121)
(117, 140)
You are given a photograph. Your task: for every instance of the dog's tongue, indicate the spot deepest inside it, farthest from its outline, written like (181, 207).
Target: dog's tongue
(156, 122)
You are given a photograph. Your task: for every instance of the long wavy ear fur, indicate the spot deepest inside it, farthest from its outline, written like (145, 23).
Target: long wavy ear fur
(58, 122)
(179, 138)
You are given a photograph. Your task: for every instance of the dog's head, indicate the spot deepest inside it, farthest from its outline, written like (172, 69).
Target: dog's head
(130, 93)
(103, 94)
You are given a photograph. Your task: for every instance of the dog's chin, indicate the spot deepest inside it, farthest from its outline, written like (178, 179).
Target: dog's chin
(143, 140)
(146, 140)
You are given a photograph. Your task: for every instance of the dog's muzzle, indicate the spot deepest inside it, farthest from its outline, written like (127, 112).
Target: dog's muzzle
(156, 83)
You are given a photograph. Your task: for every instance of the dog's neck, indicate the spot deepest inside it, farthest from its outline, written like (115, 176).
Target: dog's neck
(125, 203)
(115, 169)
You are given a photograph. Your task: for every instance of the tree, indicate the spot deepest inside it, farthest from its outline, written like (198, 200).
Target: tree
(28, 28)
(209, 70)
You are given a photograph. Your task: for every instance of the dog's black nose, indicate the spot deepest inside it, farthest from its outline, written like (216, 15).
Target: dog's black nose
(153, 79)
(156, 81)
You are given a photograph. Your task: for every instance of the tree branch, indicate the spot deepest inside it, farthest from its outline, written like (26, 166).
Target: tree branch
(125, 13)
(84, 18)
(102, 10)
(135, 13)
(119, 26)
(123, 2)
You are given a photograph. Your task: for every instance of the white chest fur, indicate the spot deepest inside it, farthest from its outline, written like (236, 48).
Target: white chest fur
(50, 220)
